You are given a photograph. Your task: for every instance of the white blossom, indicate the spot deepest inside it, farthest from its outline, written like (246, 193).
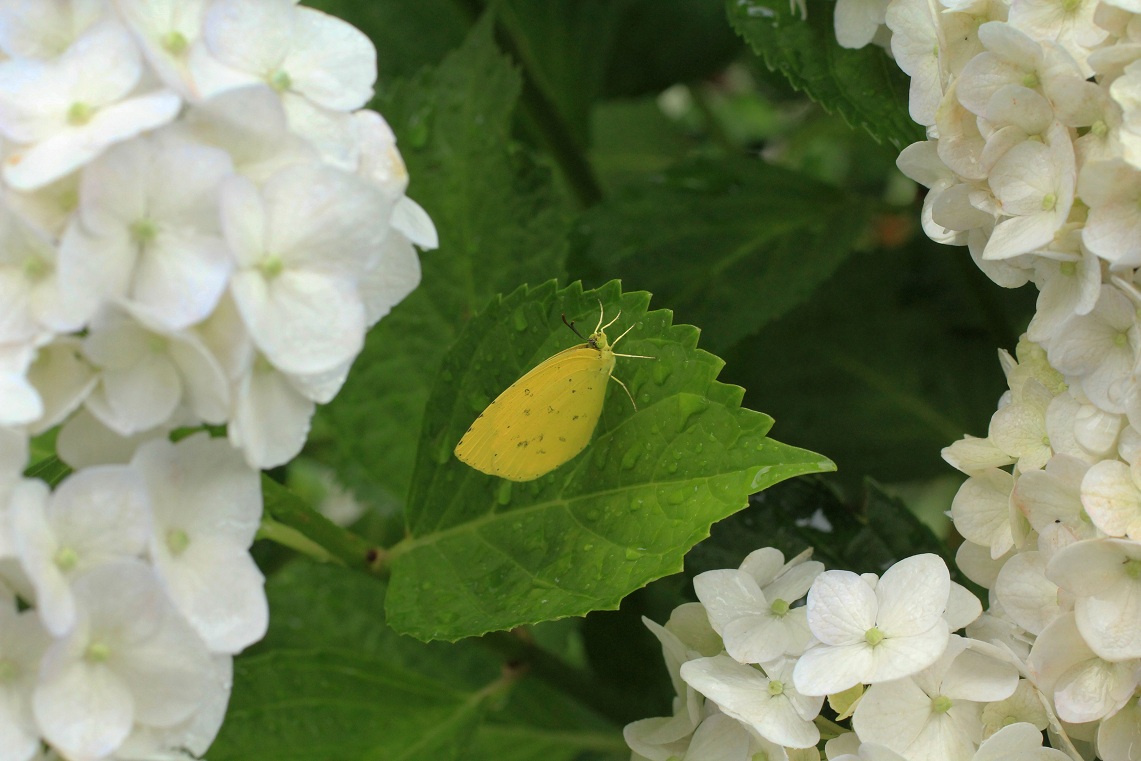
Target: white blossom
(870, 635)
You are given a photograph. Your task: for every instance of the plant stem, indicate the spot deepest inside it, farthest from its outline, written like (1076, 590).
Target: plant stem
(289, 516)
(541, 115)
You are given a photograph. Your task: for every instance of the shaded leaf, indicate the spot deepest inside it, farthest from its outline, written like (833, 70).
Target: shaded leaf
(889, 361)
(322, 613)
(729, 245)
(484, 554)
(808, 512)
(315, 704)
(865, 86)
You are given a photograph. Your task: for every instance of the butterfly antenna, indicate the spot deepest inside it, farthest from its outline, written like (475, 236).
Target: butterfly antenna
(631, 356)
(607, 325)
(601, 312)
(623, 385)
(572, 327)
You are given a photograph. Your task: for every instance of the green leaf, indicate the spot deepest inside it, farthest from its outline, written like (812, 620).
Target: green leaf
(500, 224)
(889, 361)
(323, 612)
(865, 86)
(484, 554)
(808, 512)
(583, 51)
(730, 245)
(311, 705)
(407, 36)
(668, 41)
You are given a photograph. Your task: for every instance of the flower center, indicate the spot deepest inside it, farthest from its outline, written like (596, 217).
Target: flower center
(1030, 80)
(776, 688)
(941, 704)
(1069, 6)
(97, 652)
(66, 559)
(8, 670)
(1133, 569)
(156, 343)
(143, 231)
(1121, 339)
(1068, 268)
(1049, 201)
(280, 80)
(175, 43)
(177, 541)
(271, 266)
(779, 608)
(35, 268)
(1099, 128)
(79, 114)
(873, 636)
(760, 756)
(1008, 720)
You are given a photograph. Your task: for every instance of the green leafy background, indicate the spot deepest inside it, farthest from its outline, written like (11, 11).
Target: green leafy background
(724, 156)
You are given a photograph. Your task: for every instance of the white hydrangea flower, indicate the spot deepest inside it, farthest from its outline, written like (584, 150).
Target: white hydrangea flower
(153, 243)
(130, 657)
(1081, 686)
(34, 304)
(1022, 741)
(295, 278)
(320, 65)
(1104, 575)
(1119, 736)
(686, 636)
(146, 374)
(167, 31)
(46, 28)
(94, 517)
(22, 645)
(63, 113)
(870, 635)
(983, 513)
(1034, 184)
(206, 507)
(1029, 598)
(765, 700)
(1023, 706)
(751, 607)
(934, 715)
(1111, 496)
(1019, 428)
(1098, 349)
(857, 21)
(1066, 287)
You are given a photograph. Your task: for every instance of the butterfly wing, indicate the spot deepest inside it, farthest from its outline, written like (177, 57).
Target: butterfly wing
(543, 419)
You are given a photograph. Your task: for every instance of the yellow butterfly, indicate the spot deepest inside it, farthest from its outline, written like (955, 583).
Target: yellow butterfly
(548, 416)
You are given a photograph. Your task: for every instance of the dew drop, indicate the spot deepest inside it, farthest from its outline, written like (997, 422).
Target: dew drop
(690, 405)
(630, 459)
(503, 493)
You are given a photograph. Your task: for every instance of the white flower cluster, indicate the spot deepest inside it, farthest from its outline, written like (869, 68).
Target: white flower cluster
(198, 223)
(752, 669)
(1033, 160)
